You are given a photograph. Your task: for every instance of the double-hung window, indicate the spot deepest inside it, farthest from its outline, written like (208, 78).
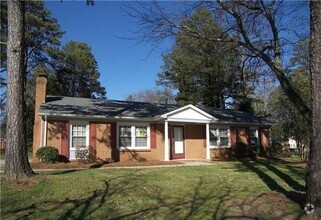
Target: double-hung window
(79, 137)
(133, 136)
(219, 137)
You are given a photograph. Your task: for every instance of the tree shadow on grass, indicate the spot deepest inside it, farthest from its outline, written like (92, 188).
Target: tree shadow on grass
(297, 195)
(203, 200)
(77, 208)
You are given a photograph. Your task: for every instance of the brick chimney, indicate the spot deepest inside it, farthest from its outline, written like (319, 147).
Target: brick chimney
(41, 88)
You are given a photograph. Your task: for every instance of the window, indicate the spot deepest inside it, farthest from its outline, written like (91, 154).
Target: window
(219, 137)
(254, 136)
(133, 136)
(79, 137)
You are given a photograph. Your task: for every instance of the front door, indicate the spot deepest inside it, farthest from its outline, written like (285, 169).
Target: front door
(178, 143)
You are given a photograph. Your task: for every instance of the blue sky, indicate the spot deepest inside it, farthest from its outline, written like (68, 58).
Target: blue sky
(124, 65)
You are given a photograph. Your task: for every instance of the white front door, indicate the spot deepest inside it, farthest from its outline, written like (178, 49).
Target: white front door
(178, 143)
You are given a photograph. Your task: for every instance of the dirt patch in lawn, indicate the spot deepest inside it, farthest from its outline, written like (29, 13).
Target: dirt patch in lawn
(79, 165)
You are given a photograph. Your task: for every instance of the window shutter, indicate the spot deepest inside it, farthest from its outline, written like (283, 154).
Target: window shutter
(233, 137)
(113, 134)
(153, 142)
(92, 135)
(65, 139)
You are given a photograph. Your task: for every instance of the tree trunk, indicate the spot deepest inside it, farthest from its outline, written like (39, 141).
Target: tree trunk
(17, 165)
(314, 166)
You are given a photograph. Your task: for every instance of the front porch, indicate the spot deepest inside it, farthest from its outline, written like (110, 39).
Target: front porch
(186, 134)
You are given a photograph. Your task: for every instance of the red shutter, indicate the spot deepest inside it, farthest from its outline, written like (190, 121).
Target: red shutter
(233, 137)
(204, 137)
(92, 135)
(65, 139)
(153, 143)
(113, 137)
(248, 137)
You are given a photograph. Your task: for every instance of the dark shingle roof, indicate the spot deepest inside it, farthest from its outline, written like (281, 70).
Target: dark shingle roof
(234, 116)
(58, 105)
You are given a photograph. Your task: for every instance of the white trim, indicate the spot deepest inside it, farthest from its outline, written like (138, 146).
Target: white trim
(190, 106)
(133, 137)
(208, 152)
(166, 151)
(188, 120)
(95, 117)
(71, 123)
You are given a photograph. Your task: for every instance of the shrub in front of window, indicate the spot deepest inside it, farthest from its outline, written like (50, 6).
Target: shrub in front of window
(47, 154)
(85, 154)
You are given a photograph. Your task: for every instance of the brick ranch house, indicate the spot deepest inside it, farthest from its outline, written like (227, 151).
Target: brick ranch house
(121, 130)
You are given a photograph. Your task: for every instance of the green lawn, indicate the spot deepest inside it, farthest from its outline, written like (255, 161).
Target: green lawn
(2, 155)
(262, 189)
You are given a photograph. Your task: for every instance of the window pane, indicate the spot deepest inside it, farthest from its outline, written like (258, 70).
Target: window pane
(78, 141)
(253, 132)
(224, 141)
(125, 141)
(213, 137)
(124, 131)
(141, 131)
(79, 130)
(223, 133)
(141, 142)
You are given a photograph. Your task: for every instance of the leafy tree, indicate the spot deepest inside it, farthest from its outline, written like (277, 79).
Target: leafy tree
(288, 119)
(42, 41)
(17, 165)
(203, 71)
(42, 35)
(77, 72)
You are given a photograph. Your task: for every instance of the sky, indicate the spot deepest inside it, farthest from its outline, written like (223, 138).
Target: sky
(124, 65)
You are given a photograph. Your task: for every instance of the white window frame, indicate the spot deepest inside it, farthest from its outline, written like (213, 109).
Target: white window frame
(133, 136)
(72, 123)
(217, 128)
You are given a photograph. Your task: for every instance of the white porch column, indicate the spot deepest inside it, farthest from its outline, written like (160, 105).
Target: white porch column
(208, 153)
(41, 135)
(166, 152)
(46, 130)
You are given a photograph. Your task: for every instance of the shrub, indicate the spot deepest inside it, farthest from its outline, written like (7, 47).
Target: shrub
(276, 149)
(241, 150)
(85, 154)
(47, 154)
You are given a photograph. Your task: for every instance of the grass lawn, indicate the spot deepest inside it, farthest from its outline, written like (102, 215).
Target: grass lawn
(262, 189)
(2, 155)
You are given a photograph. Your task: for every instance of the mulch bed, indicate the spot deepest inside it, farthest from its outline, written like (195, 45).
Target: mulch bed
(75, 164)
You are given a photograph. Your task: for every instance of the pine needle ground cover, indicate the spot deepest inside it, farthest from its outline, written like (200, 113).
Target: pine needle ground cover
(261, 189)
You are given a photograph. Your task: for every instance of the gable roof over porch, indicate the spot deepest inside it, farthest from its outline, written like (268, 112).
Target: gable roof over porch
(189, 113)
